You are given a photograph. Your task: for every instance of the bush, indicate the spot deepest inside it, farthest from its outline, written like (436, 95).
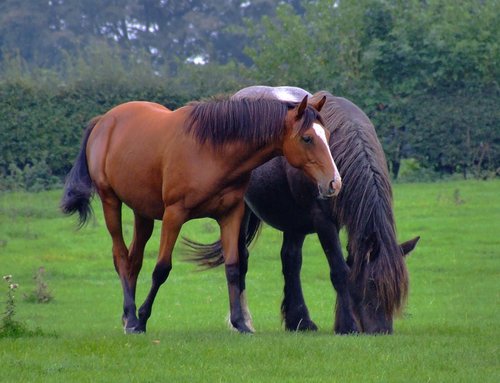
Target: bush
(41, 293)
(9, 326)
(42, 124)
(412, 171)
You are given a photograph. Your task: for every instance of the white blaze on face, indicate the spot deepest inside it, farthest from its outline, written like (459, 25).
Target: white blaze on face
(320, 131)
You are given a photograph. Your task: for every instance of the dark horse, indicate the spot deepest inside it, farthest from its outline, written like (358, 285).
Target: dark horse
(179, 165)
(372, 285)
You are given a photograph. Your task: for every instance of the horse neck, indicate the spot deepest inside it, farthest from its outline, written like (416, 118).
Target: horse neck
(243, 158)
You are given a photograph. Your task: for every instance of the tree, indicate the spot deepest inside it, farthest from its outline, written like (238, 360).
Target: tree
(170, 32)
(392, 58)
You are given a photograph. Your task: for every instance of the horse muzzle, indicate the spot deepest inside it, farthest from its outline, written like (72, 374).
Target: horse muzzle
(332, 188)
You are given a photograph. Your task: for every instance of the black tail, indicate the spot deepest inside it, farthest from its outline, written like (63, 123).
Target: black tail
(210, 255)
(78, 189)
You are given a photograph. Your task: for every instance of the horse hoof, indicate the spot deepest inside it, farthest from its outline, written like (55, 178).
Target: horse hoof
(303, 325)
(248, 324)
(243, 329)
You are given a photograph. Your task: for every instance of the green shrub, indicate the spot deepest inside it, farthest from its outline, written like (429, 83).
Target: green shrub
(41, 293)
(412, 171)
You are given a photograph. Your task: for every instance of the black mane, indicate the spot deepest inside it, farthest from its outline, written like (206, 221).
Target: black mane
(364, 205)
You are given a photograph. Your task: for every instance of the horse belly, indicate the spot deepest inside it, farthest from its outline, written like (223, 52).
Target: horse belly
(144, 200)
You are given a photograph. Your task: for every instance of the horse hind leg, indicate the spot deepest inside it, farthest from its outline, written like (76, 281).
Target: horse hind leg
(113, 216)
(143, 228)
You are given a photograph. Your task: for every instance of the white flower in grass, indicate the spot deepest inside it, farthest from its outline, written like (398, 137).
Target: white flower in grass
(13, 286)
(7, 278)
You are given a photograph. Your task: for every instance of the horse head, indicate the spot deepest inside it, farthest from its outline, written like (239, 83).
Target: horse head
(378, 289)
(305, 146)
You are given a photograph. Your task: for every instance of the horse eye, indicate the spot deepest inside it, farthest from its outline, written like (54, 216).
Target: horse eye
(307, 139)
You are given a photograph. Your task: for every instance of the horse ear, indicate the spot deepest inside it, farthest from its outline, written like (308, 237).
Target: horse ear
(319, 105)
(408, 246)
(302, 107)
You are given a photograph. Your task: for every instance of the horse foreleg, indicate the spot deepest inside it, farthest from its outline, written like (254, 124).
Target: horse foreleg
(230, 239)
(243, 265)
(243, 260)
(328, 235)
(293, 307)
(247, 316)
(171, 225)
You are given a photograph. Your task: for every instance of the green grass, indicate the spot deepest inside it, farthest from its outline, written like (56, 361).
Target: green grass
(449, 333)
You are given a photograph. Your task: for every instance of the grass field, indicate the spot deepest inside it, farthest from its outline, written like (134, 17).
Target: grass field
(449, 333)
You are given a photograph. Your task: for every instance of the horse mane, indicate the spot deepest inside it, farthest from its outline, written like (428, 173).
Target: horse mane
(364, 204)
(256, 121)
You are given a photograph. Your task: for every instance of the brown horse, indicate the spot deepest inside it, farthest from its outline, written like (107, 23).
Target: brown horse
(179, 165)
(372, 284)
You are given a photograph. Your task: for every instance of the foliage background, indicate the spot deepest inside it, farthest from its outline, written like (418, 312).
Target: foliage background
(425, 72)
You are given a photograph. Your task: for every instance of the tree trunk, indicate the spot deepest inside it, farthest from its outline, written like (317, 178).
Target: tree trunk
(395, 165)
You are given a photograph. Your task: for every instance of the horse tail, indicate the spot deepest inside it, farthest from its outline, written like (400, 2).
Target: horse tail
(78, 189)
(210, 255)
